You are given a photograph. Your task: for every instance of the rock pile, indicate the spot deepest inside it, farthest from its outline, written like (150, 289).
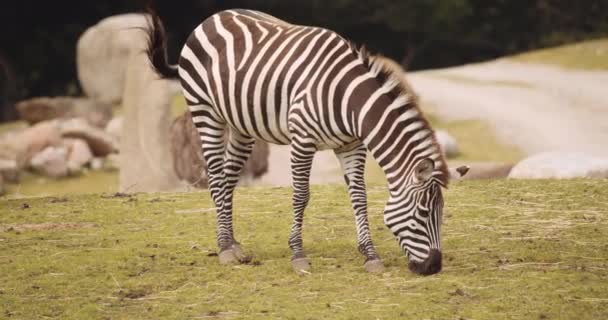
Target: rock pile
(55, 148)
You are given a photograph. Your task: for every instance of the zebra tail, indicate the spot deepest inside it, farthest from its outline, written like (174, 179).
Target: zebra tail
(157, 47)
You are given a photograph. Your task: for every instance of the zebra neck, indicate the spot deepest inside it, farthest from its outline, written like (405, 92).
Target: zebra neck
(398, 136)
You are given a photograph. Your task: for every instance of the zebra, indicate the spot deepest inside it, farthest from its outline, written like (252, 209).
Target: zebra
(247, 75)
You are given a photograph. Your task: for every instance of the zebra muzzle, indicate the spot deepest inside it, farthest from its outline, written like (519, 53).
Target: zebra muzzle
(430, 266)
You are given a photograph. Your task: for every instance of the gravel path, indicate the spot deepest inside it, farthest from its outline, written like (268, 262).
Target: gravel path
(537, 108)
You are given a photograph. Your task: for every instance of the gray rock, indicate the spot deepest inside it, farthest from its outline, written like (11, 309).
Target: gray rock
(560, 165)
(35, 139)
(100, 142)
(79, 154)
(47, 108)
(103, 52)
(448, 144)
(52, 162)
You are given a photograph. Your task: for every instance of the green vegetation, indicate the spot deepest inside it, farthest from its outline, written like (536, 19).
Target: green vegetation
(9, 126)
(512, 249)
(35, 185)
(590, 55)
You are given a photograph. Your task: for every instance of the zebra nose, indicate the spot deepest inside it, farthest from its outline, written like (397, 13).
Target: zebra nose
(431, 265)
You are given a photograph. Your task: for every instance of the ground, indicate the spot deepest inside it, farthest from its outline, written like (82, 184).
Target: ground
(512, 249)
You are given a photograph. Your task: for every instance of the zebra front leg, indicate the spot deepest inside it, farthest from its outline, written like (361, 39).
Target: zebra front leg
(238, 150)
(302, 154)
(352, 161)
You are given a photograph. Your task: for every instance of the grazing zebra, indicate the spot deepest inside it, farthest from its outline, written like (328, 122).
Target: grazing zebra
(247, 75)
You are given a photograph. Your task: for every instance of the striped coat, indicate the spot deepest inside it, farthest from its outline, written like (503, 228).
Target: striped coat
(247, 75)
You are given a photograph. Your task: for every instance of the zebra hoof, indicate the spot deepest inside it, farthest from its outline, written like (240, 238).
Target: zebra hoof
(374, 266)
(228, 257)
(301, 265)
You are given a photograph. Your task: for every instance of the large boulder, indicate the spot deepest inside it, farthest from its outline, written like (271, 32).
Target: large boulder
(52, 162)
(103, 52)
(188, 157)
(146, 164)
(100, 142)
(560, 165)
(47, 108)
(448, 143)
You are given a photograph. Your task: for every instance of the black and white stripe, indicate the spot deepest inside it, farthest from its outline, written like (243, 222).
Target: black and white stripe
(247, 75)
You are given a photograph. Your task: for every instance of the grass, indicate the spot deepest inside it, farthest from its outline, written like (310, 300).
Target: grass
(512, 250)
(36, 185)
(10, 126)
(588, 55)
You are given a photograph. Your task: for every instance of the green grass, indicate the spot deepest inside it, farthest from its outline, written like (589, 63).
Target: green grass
(589, 55)
(512, 250)
(36, 185)
(10, 126)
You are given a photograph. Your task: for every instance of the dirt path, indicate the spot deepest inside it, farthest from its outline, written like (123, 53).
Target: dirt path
(325, 168)
(537, 108)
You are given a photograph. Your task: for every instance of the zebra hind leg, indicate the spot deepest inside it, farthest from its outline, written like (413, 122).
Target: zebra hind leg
(302, 154)
(352, 161)
(212, 133)
(238, 150)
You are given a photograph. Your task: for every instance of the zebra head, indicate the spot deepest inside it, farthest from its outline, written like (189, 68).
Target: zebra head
(414, 216)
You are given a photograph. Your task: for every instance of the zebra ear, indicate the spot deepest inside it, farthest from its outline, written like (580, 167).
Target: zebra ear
(424, 170)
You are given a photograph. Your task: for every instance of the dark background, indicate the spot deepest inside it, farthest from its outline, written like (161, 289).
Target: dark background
(38, 38)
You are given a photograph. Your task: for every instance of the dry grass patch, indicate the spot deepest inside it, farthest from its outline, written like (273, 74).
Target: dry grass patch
(512, 249)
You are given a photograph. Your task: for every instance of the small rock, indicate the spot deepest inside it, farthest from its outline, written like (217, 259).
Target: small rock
(560, 165)
(96, 163)
(79, 154)
(52, 162)
(100, 142)
(38, 137)
(114, 128)
(448, 144)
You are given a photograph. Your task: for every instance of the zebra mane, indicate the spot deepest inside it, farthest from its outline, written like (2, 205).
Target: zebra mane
(389, 72)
